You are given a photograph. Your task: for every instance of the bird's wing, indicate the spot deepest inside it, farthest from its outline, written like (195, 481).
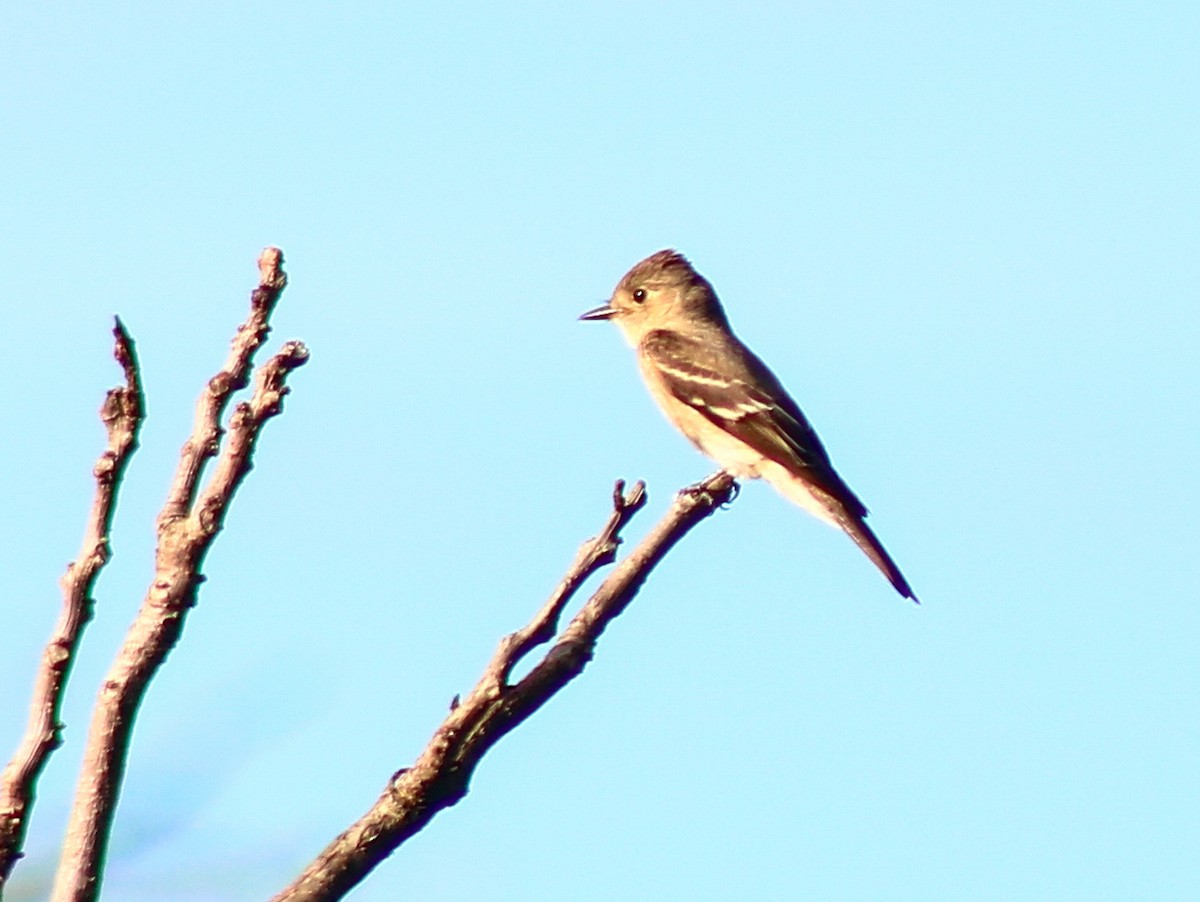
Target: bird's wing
(735, 391)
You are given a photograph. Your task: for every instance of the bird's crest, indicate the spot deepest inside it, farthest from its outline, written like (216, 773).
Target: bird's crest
(666, 265)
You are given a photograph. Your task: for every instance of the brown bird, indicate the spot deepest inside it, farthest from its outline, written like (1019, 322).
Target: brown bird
(726, 401)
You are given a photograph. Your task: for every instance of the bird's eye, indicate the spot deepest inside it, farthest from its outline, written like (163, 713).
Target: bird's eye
(639, 296)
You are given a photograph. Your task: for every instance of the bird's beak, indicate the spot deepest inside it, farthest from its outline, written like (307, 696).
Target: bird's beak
(605, 312)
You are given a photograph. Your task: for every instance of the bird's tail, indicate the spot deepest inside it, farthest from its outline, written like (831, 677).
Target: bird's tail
(832, 502)
(864, 538)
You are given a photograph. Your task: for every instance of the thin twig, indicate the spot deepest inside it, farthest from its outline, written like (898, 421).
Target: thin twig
(122, 414)
(441, 775)
(593, 554)
(205, 439)
(186, 529)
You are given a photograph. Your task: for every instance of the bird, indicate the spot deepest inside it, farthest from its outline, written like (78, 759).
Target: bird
(726, 401)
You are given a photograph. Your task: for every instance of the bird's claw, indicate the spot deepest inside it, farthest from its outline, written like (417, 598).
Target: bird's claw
(706, 486)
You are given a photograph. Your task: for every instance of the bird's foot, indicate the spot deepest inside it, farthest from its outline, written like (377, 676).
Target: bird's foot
(721, 484)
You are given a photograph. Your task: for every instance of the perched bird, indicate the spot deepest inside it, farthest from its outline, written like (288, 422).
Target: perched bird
(725, 400)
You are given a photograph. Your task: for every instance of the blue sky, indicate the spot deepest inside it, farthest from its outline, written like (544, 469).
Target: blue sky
(963, 235)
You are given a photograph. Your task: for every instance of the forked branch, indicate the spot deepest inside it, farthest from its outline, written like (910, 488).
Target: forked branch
(441, 775)
(189, 522)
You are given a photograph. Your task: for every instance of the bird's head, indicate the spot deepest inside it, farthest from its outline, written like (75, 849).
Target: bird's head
(661, 292)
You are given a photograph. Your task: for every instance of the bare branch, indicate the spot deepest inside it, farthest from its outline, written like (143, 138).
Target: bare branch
(186, 529)
(593, 554)
(441, 775)
(202, 444)
(122, 414)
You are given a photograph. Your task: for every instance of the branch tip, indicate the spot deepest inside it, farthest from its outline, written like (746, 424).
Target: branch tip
(628, 503)
(270, 268)
(720, 489)
(293, 354)
(636, 499)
